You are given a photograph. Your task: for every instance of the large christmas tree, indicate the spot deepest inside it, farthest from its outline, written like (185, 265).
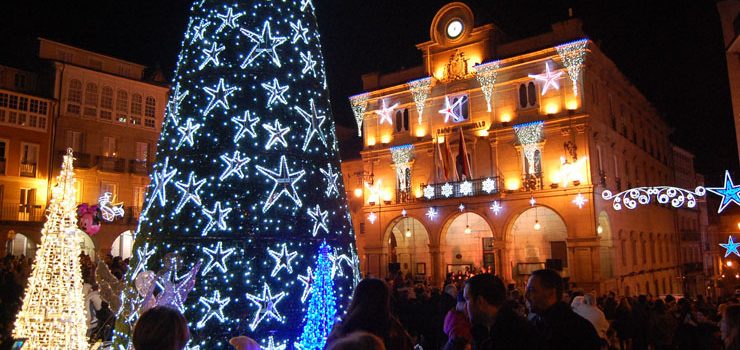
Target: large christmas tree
(247, 181)
(52, 316)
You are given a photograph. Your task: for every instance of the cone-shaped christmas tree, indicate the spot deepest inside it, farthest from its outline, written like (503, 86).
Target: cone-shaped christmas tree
(52, 316)
(247, 179)
(322, 302)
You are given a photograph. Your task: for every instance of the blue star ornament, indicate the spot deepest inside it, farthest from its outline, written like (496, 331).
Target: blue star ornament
(729, 193)
(731, 247)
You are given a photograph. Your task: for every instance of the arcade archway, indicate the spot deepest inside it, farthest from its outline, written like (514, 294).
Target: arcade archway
(407, 246)
(468, 244)
(123, 245)
(22, 245)
(537, 236)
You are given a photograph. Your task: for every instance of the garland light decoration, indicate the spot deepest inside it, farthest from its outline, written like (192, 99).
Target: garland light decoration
(420, 91)
(572, 55)
(52, 316)
(677, 197)
(359, 106)
(530, 136)
(403, 157)
(486, 74)
(322, 303)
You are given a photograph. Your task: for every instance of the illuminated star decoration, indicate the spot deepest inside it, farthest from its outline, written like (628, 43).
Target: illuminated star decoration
(307, 3)
(264, 43)
(461, 207)
(276, 92)
(374, 190)
(284, 179)
(277, 134)
(580, 201)
(216, 217)
(300, 32)
(212, 55)
(315, 121)
(449, 110)
(466, 188)
(266, 306)
(215, 307)
(403, 212)
(731, 247)
(447, 190)
(234, 165)
(187, 131)
(309, 64)
(282, 260)
(319, 218)
(331, 180)
(217, 258)
(385, 113)
(532, 202)
(174, 103)
(372, 217)
(307, 281)
(228, 20)
(246, 126)
(143, 254)
(108, 210)
(199, 30)
(431, 213)
(271, 345)
(550, 78)
(189, 192)
(729, 192)
(218, 96)
(336, 263)
(429, 191)
(488, 185)
(496, 207)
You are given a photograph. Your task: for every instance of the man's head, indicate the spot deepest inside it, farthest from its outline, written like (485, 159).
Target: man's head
(544, 289)
(484, 294)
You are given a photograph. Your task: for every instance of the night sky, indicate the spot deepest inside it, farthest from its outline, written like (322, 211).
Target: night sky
(672, 51)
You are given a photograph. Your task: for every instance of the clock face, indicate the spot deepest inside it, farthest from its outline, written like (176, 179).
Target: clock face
(454, 29)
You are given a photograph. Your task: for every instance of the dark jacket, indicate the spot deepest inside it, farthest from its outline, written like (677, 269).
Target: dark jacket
(509, 331)
(561, 328)
(396, 336)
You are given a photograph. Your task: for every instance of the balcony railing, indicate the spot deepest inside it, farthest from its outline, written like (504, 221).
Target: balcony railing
(111, 164)
(28, 170)
(458, 189)
(532, 182)
(22, 212)
(139, 167)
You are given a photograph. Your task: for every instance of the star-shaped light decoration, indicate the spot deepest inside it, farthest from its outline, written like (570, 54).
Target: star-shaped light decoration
(372, 217)
(306, 4)
(466, 188)
(283, 259)
(299, 32)
(496, 207)
(265, 43)
(336, 263)
(173, 105)
(404, 212)
(580, 201)
(429, 191)
(216, 217)
(228, 19)
(218, 96)
(729, 192)
(386, 113)
(271, 345)
(161, 178)
(199, 30)
(277, 134)
(217, 258)
(447, 190)
(286, 180)
(143, 254)
(187, 131)
(431, 213)
(309, 64)
(550, 78)
(234, 165)
(212, 55)
(731, 247)
(314, 121)
(246, 125)
(215, 307)
(276, 92)
(374, 190)
(266, 306)
(189, 192)
(331, 180)
(449, 110)
(488, 185)
(532, 202)
(319, 218)
(461, 207)
(307, 281)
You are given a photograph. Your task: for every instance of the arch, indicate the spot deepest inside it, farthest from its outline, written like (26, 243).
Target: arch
(406, 242)
(536, 235)
(606, 246)
(22, 245)
(463, 248)
(87, 245)
(123, 245)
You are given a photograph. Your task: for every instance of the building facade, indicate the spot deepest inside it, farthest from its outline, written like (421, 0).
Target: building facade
(729, 14)
(547, 123)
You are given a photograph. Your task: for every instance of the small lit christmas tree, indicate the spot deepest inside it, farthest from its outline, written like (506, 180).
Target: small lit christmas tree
(53, 316)
(322, 304)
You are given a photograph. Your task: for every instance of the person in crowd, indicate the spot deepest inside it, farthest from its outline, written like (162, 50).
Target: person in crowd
(730, 327)
(161, 328)
(358, 341)
(623, 324)
(457, 325)
(560, 327)
(495, 324)
(662, 327)
(244, 343)
(370, 311)
(610, 306)
(640, 323)
(585, 306)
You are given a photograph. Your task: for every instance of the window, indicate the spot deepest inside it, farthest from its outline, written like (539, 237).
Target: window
(13, 102)
(74, 96)
(43, 107)
(34, 106)
(136, 104)
(3, 155)
(149, 123)
(109, 146)
(527, 95)
(23, 104)
(402, 120)
(27, 200)
(29, 153)
(110, 187)
(135, 120)
(122, 101)
(74, 141)
(643, 248)
(151, 106)
(20, 81)
(142, 151)
(624, 252)
(3, 100)
(106, 98)
(91, 100)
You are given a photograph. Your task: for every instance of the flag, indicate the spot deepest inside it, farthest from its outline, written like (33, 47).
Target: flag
(450, 168)
(463, 150)
(441, 166)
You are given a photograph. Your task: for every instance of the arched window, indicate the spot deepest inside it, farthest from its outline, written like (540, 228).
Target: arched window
(121, 106)
(136, 104)
(399, 120)
(532, 94)
(406, 119)
(522, 96)
(106, 103)
(527, 95)
(91, 100)
(74, 96)
(151, 106)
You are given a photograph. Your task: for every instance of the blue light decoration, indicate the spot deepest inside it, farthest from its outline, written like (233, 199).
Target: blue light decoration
(729, 192)
(247, 183)
(731, 247)
(322, 310)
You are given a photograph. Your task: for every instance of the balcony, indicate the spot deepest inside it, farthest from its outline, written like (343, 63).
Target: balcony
(460, 189)
(28, 170)
(22, 212)
(693, 267)
(690, 236)
(111, 164)
(532, 182)
(139, 167)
